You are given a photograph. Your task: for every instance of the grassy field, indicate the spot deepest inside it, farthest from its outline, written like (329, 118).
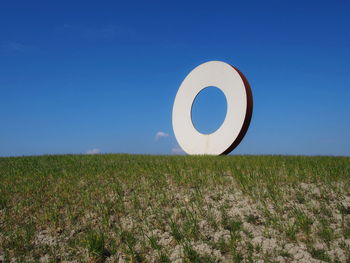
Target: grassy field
(136, 208)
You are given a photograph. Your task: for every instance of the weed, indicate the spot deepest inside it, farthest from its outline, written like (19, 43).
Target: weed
(326, 211)
(230, 224)
(3, 201)
(291, 231)
(319, 254)
(344, 210)
(175, 231)
(285, 254)
(193, 256)
(326, 234)
(300, 197)
(153, 242)
(346, 231)
(253, 219)
(190, 226)
(163, 258)
(250, 251)
(222, 245)
(302, 221)
(129, 240)
(96, 245)
(212, 221)
(236, 256)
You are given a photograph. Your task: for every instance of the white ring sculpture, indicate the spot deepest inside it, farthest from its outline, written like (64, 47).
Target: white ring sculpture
(239, 109)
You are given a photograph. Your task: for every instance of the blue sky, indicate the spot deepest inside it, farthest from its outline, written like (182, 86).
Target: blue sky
(79, 76)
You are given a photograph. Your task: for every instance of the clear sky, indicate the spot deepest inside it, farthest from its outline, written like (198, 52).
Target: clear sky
(101, 76)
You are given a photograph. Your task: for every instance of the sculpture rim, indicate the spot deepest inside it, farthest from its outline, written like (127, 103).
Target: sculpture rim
(239, 99)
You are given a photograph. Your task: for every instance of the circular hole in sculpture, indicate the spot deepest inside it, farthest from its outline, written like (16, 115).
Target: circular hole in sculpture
(209, 110)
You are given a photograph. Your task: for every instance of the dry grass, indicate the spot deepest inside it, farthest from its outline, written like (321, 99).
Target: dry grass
(133, 208)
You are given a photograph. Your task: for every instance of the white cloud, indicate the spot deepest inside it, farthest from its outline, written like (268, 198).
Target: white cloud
(161, 134)
(93, 151)
(177, 150)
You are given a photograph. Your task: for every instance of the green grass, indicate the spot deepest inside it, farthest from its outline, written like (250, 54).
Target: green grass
(137, 207)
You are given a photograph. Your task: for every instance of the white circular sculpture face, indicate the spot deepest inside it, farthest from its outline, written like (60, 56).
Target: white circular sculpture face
(239, 109)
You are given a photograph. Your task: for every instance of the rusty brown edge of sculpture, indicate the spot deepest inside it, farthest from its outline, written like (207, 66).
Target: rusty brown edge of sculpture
(248, 115)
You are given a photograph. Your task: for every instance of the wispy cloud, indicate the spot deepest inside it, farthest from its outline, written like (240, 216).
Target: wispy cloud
(15, 46)
(160, 134)
(95, 32)
(177, 150)
(108, 31)
(93, 151)
(71, 27)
